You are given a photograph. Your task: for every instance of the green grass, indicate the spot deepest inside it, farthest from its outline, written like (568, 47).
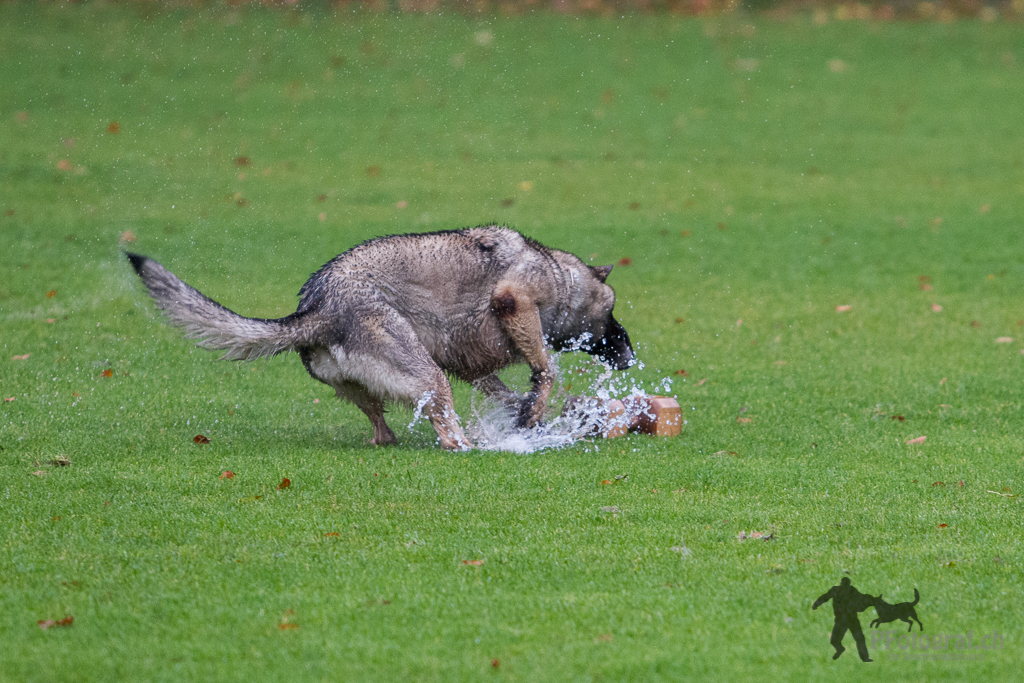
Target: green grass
(835, 182)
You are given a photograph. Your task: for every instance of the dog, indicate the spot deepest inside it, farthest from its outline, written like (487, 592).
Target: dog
(385, 321)
(904, 611)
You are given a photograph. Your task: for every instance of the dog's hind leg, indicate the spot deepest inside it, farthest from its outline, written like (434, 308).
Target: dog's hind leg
(383, 355)
(374, 410)
(496, 390)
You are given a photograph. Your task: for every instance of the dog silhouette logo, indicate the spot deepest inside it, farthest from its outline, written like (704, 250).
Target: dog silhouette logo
(848, 602)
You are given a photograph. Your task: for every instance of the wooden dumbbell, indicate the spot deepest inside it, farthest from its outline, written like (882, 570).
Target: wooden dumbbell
(607, 415)
(654, 415)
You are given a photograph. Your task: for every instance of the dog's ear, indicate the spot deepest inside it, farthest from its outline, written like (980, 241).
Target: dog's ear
(601, 272)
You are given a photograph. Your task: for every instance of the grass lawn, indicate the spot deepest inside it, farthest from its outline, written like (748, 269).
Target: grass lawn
(758, 174)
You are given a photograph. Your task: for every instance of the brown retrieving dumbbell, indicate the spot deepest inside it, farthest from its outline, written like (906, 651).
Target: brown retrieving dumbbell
(654, 415)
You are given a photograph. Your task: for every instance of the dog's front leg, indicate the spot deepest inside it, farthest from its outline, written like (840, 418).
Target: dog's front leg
(519, 317)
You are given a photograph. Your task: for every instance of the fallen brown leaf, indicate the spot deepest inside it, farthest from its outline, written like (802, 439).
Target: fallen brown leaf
(920, 439)
(936, 308)
(943, 526)
(473, 563)
(1004, 340)
(51, 623)
(744, 420)
(227, 474)
(200, 439)
(285, 483)
(625, 261)
(681, 373)
(495, 663)
(704, 379)
(286, 626)
(331, 534)
(25, 357)
(843, 308)
(107, 373)
(10, 399)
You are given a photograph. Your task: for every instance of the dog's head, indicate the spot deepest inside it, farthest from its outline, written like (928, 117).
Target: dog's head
(587, 323)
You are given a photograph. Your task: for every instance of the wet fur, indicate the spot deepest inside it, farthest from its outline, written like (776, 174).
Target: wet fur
(386, 321)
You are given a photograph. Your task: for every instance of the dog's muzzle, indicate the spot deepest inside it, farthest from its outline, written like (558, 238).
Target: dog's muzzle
(614, 347)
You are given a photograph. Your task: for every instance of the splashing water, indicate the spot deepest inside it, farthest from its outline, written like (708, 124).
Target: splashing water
(491, 426)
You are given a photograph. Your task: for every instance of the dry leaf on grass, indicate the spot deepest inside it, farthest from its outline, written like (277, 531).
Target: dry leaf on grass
(107, 373)
(51, 623)
(200, 439)
(285, 483)
(25, 357)
(1004, 340)
(843, 308)
(473, 563)
(920, 439)
(227, 474)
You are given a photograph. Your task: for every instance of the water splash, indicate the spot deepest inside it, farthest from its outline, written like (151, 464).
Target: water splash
(491, 426)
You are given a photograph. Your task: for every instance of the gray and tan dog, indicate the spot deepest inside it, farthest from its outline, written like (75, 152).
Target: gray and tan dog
(384, 321)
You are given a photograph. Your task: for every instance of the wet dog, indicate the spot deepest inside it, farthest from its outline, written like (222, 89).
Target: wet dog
(388, 319)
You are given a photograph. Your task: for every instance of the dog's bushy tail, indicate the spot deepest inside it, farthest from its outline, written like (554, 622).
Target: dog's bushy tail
(215, 326)
(917, 598)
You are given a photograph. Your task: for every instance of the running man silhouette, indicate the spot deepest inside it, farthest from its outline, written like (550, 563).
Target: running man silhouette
(847, 601)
